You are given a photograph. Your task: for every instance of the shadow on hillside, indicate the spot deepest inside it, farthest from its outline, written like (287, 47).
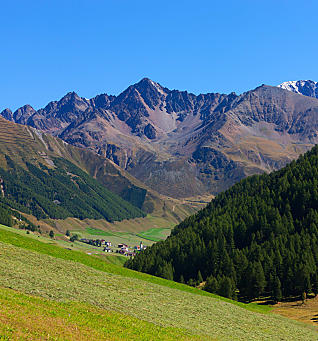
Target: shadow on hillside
(315, 318)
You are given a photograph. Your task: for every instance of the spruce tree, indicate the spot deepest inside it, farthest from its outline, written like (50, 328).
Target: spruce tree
(277, 291)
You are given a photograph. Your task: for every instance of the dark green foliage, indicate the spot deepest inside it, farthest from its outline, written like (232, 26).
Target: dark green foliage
(73, 238)
(226, 287)
(5, 217)
(134, 195)
(259, 238)
(211, 285)
(7, 214)
(61, 192)
(51, 234)
(67, 233)
(277, 290)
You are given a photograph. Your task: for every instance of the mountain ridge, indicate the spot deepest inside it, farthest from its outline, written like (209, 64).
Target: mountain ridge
(181, 144)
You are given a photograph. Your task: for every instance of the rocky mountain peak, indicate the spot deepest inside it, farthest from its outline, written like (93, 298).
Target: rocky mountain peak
(152, 93)
(103, 101)
(7, 114)
(303, 87)
(71, 97)
(22, 114)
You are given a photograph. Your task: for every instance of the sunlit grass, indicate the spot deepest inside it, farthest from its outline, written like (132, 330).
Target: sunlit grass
(67, 281)
(60, 275)
(27, 317)
(155, 234)
(8, 235)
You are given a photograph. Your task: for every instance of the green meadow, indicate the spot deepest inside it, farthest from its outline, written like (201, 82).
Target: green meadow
(48, 292)
(155, 234)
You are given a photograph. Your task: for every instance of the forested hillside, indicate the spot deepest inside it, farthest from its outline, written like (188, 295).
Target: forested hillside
(59, 192)
(259, 238)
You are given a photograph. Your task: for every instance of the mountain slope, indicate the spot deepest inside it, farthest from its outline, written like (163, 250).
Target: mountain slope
(27, 146)
(259, 237)
(37, 179)
(80, 289)
(180, 144)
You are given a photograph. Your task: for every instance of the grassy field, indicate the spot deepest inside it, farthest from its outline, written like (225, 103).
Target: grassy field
(111, 258)
(79, 290)
(131, 239)
(131, 225)
(155, 234)
(96, 232)
(30, 242)
(131, 232)
(33, 318)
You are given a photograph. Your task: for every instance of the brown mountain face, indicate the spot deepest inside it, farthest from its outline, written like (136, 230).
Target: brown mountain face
(181, 144)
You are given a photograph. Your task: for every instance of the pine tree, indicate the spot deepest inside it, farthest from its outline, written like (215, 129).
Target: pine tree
(277, 291)
(211, 285)
(226, 288)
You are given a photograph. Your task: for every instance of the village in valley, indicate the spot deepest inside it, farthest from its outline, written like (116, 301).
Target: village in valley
(121, 248)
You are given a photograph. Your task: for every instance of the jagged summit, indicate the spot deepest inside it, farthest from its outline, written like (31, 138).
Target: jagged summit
(7, 114)
(182, 144)
(302, 87)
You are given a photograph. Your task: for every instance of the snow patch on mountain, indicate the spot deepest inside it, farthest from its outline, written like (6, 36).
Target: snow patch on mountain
(302, 87)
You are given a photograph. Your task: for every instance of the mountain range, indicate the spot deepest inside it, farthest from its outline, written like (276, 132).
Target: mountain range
(181, 144)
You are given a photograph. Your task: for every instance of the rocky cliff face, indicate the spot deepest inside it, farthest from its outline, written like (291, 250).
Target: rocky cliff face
(181, 144)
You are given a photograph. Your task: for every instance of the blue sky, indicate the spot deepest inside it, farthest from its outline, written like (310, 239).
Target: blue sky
(51, 47)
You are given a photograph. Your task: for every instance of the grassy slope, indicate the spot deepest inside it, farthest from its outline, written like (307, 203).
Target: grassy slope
(112, 258)
(158, 219)
(155, 234)
(62, 275)
(28, 317)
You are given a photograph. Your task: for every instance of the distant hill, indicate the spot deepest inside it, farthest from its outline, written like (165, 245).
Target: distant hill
(257, 239)
(180, 144)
